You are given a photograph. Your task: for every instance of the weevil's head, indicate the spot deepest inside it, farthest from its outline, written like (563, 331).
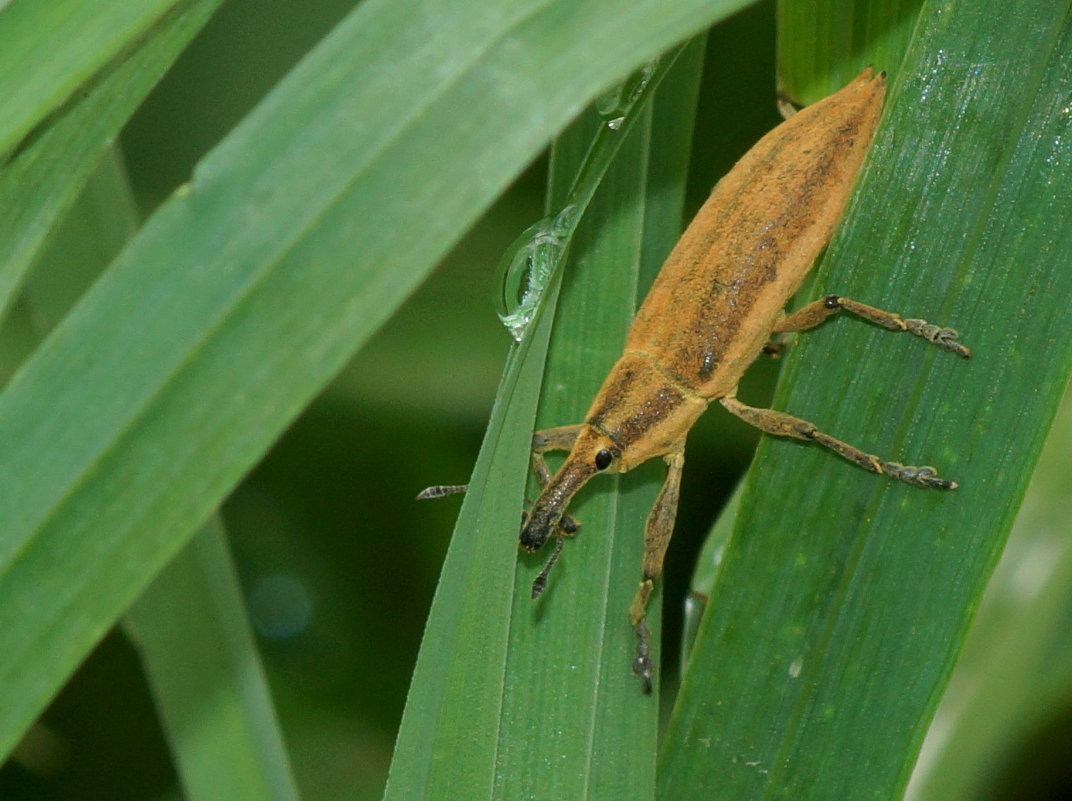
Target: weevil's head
(593, 452)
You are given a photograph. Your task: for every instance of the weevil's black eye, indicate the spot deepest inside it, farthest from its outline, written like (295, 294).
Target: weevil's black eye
(603, 459)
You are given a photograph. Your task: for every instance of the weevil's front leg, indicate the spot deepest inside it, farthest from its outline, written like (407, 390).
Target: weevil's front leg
(657, 533)
(814, 313)
(551, 439)
(781, 424)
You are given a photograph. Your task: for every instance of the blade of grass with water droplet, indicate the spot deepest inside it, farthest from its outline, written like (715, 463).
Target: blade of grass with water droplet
(248, 290)
(843, 597)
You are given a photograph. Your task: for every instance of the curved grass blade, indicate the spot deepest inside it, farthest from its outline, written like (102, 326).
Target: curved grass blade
(40, 182)
(50, 48)
(1013, 683)
(206, 677)
(189, 625)
(245, 293)
(536, 698)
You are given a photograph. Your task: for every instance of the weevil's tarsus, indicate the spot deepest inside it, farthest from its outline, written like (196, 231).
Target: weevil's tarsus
(540, 584)
(780, 424)
(441, 491)
(817, 311)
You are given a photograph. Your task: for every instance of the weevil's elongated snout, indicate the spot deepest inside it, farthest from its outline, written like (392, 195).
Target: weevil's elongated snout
(550, 507)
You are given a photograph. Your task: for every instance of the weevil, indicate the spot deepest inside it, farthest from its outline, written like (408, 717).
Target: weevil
(716, 303)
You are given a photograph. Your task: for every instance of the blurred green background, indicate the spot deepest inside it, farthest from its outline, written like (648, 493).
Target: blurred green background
(338, 561)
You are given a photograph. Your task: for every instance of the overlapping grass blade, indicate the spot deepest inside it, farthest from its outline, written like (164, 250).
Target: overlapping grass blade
(843, 597)
(248, 290)
(210, 690)
(41, 180)
(511, 697)
(189, 624)
(999, 725)
(51, 48)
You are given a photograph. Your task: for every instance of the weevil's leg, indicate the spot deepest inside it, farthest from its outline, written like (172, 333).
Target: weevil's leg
(657, 533)
(441, 491)
(776, 345)
(551, 439)
(554, 439)
(786, 107)
(781, 424)
(540, 584)
(814, 313)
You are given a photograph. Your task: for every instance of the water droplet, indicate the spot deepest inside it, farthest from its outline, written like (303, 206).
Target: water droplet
(614, 104)
(528, 266)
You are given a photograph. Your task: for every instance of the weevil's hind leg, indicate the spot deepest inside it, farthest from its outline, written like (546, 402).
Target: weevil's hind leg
(560, 438)
(781, 424)
(815, 312)
(657, 533)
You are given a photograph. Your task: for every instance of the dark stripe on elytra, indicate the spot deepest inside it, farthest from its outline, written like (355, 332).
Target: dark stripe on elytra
(627, 430)
(767, 254)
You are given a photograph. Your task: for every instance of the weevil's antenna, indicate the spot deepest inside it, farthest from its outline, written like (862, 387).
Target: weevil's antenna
(541, 580)
(441, 491)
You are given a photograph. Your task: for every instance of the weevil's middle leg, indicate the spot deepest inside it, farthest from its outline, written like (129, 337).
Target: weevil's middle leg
(815, 312)
(657, 532)
(781, 424)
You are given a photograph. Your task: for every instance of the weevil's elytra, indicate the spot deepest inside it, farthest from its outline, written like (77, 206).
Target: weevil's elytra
(713, 308)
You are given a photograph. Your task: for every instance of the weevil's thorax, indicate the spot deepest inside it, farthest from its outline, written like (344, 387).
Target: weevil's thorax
(645, 412)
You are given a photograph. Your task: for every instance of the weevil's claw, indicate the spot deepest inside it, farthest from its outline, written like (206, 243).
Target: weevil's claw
(944, 338)
(925, 476)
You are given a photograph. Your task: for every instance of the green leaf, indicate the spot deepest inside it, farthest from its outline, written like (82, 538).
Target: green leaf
(189, 624)
(40, 182)
(843, 597)
(512, 697)
(245, 293)
(199, 656)
(999, 724)
(816, 39)
(50, 48)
